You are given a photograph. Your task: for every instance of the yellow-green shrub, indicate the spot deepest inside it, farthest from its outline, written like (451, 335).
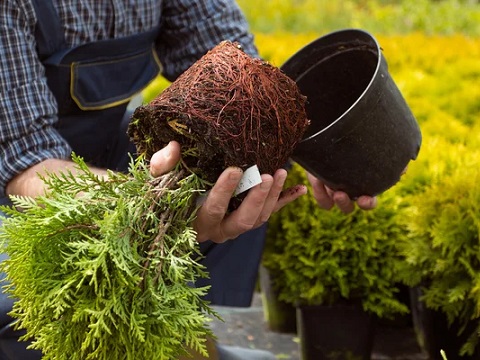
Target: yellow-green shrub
(434, 73)
(438, 75)
(441, 16)
(442, 246)
(326, 257)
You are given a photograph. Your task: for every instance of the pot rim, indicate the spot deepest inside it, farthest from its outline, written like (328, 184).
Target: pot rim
(362, 95)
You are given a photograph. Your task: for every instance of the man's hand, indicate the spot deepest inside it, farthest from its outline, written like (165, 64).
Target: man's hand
(213, 222)
(165, 159)
(327, 198)
(29, 182)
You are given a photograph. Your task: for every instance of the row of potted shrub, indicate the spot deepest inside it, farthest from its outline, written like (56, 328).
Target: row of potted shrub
(423, 235)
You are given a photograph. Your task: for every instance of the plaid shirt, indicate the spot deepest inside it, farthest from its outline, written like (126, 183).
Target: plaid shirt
(27, 107)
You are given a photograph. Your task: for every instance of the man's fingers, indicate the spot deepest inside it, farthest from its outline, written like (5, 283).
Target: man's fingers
(246, 217)
(165, 159)
(324, 200)
(367, 202)
(344, 203)
(271, 201)
(289, 195)
(215, 206)
(213, 222)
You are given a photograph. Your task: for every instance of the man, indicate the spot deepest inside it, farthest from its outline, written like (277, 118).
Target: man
(68, 70)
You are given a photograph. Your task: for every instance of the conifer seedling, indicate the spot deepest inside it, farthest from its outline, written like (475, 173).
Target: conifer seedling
(104, 268)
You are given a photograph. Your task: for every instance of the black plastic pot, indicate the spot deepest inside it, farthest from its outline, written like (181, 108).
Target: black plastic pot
(336, 332)
(362, 133)
(434, 333)
(280, 316)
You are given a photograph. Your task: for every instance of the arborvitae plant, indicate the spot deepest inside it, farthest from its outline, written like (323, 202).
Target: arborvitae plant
(96, 272)
(105, 268)
(441, 253)
(320, 257)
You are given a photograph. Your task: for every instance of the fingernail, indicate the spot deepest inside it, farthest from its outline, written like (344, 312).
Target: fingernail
(160, 156)
(236, 174)
(266, 185)
(167, 151)
(342, 198)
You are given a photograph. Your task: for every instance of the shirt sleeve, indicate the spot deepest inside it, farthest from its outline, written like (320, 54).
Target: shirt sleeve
(27, 106)
(190, 28)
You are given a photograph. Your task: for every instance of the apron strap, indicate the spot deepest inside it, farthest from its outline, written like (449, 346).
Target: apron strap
(48, 30)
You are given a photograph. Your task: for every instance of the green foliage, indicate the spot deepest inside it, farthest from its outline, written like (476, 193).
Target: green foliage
(322, 257)
(438, 75)
(442, 250)
(155, 88)
(385, 17)
(98, 271)
(438, 157)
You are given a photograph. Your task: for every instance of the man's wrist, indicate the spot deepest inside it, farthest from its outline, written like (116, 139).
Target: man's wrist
(29, 182)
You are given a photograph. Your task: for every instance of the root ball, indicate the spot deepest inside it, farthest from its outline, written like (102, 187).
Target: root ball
(227, 109)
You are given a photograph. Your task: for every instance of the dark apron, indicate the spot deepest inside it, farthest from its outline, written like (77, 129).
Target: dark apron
(93, 90)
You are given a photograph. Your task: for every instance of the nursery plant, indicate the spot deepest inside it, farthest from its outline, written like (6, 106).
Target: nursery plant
(324, 257)
(338, 270)
(441, 251)
(103, 267)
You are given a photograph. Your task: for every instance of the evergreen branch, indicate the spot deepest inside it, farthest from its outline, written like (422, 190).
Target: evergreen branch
(76, 262)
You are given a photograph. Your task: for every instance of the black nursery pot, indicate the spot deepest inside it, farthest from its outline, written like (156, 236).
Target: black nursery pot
(362, 133)
(281, 317)
(435, 333)
(335, 332)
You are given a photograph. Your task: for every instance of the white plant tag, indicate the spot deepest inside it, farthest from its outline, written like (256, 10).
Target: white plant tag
(250, 178)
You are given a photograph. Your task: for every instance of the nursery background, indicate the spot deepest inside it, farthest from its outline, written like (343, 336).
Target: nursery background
(432, 48)
(425, 232)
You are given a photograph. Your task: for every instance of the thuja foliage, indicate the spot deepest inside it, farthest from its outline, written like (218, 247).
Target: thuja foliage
(442, 250)
(381, 16)
(320, 257)
(102, 267)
